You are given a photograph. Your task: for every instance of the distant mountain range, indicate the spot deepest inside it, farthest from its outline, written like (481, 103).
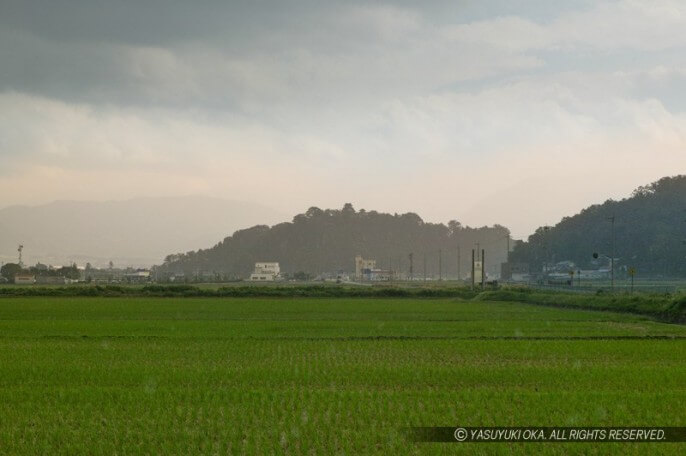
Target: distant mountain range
(136, 232)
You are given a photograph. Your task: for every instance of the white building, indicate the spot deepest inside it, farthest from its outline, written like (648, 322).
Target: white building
(266, 272)
(379, 275)
(363, 267)
(24, 279)
(139, 276)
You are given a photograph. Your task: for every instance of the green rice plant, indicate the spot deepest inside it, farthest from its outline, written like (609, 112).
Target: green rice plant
(144, 375)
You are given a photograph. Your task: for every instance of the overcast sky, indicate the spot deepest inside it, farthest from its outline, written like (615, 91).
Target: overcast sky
(511, 112)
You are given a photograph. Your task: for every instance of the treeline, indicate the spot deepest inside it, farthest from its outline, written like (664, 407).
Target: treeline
(9, 270)
(190, 291)
(665, 307)
(328, 241)
(649, 234)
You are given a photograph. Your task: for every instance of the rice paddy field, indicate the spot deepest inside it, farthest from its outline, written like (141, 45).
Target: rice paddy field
(325, 376)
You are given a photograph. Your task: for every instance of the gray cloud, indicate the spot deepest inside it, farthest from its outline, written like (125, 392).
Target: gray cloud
(204, 96)
(216, 54)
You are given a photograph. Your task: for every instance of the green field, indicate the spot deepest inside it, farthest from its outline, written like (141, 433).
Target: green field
(324, 376)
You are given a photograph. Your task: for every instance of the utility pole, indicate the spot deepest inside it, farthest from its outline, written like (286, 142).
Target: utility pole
(458, 262)
(473, 269)
(612, 260)
(546, 248)
(440, 265)
(424, 266)
(390, 269)
(507, 258)
(483, 268)
(411, 267)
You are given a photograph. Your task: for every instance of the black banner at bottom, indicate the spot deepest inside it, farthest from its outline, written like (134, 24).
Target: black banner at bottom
(547, 434)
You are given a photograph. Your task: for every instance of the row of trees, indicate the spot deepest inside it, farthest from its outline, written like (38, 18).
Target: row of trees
(649, 233)
(9, 270)
(328, 240)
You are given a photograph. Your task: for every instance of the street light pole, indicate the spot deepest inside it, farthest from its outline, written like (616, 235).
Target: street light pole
(612, 260)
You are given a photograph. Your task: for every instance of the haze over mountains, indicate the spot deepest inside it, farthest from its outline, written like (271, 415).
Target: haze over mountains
(649, 232)
(136, 232)
(190, 234)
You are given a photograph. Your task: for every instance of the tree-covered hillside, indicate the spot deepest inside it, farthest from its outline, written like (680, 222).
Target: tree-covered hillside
(649, 230)
(328, 240)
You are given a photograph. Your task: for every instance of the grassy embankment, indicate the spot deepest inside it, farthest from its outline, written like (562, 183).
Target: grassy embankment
(664, 307)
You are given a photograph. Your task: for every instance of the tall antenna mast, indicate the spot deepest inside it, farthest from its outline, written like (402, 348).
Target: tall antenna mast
(21, 247)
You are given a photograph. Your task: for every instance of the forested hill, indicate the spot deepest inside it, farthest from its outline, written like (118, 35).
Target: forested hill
(650, 230)
(328, 240)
